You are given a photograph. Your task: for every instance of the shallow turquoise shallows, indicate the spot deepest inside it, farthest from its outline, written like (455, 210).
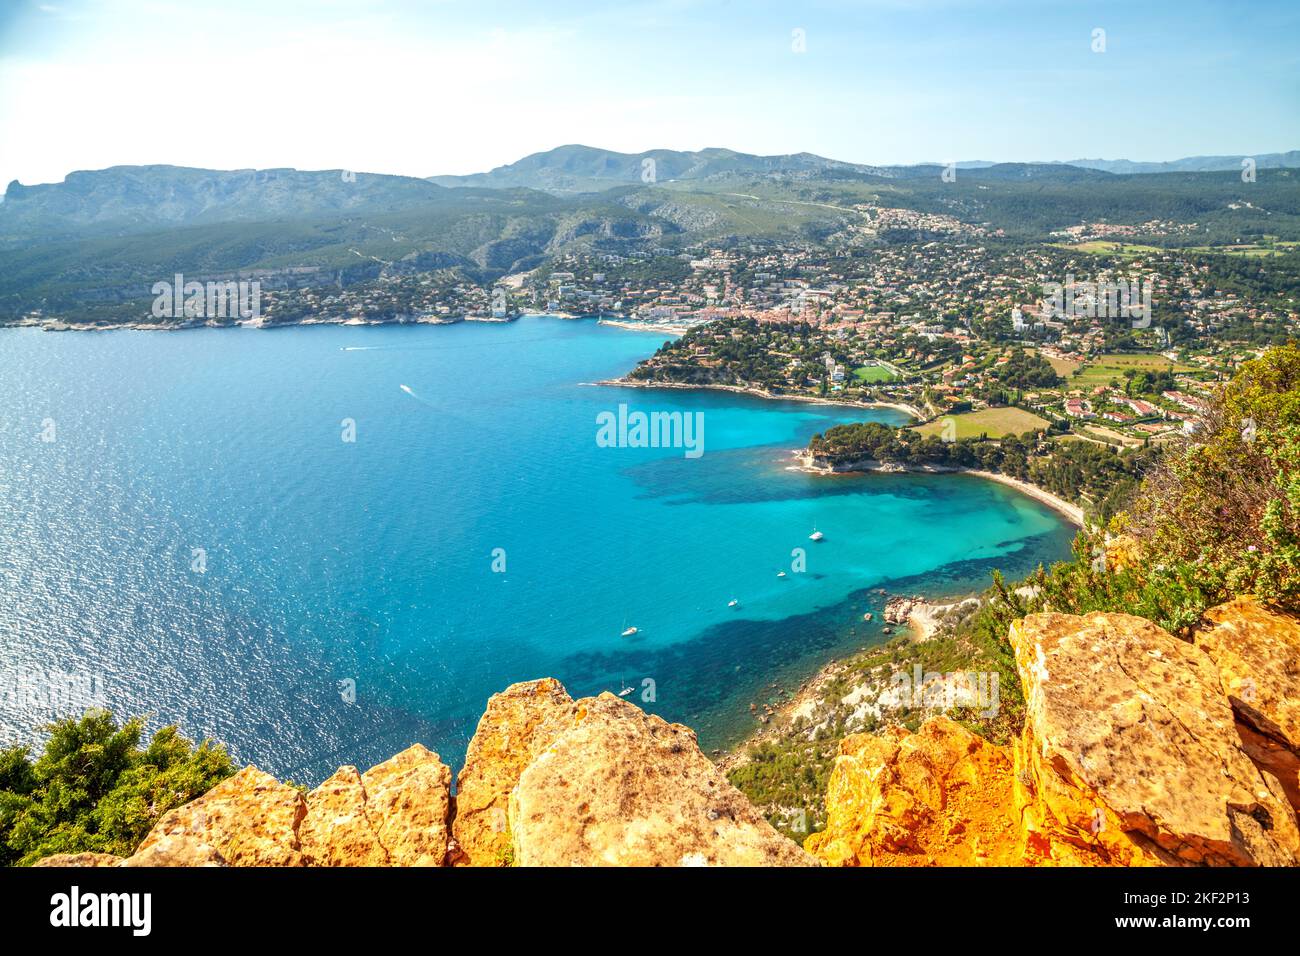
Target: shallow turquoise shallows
(198, 541)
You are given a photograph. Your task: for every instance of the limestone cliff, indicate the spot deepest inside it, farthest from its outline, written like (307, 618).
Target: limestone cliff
(1136, 750)
(940, 797)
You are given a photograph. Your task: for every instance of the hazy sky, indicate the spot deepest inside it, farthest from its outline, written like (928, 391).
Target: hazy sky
(445, 86)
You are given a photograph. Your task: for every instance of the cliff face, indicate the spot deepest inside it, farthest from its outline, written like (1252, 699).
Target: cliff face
(548, 781)
(1137, 749)
(938, 797)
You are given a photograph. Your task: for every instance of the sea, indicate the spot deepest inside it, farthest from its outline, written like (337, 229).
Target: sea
(321, 544)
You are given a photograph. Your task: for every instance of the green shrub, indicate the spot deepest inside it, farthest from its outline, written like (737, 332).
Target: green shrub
(94, 790)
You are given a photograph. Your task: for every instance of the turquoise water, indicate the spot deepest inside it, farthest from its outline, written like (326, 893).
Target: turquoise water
(372, 561)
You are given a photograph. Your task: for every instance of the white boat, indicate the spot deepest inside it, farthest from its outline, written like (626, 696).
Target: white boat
(626, 689)
(629, 631)
(780, 574)
(816, 535)
(733, 603)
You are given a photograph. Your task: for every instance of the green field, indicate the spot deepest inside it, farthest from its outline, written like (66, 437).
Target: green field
(1062, 367)
(1104, 247)
(993, 422)
(873, 374)
(1107, 367)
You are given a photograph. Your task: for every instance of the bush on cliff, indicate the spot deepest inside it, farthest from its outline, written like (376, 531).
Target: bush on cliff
(93, 789)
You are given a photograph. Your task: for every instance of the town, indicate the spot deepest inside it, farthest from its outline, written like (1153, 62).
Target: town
(963, 329)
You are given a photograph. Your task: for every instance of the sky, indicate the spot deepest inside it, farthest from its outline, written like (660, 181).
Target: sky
(445, 86)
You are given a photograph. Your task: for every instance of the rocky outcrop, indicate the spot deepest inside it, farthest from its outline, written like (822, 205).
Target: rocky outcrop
(252, 819)
(937, 797)
(619, 787)
(408, 801)
(395, 814)
(1130, 755)
(899, 608)
(518, 724)
(337, 830)
(1257, 653)
(550, 781)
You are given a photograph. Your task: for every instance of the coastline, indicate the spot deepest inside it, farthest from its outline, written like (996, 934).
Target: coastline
(632, 325)
(60, 325)
(924, 618)
(919, 620)
(64, 325)
(807, 463)
(910, 410)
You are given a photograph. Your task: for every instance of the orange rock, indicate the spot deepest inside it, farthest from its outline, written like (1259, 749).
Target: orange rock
(80, 859)
(250, 819)
(337, 829)
(938, 797)
(395, 814)
(1129, 752)
(408, 799)
(176, 851)
(619, 787)
(1257, 653)
(517, 725)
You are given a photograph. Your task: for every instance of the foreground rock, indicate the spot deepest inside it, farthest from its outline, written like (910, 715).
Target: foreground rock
(619, 787)
(408, 800)
(252, 819)
(395, 814)
(1130, 755)
(938, 797)
(1257, 653)
(518, 724)
(549, 781)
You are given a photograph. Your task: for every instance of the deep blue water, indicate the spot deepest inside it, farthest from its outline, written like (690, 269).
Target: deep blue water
(372, 560)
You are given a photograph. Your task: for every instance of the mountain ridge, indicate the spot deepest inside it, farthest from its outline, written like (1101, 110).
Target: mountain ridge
(576, 167)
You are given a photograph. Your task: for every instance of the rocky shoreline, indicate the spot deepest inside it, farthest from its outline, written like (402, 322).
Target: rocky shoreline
(923, 620)
(61, 325)
(763, 393)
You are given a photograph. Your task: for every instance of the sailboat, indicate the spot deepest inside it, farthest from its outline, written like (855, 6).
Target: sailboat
(733, 603)
(626, 688)
(816, 535)
(628, 631)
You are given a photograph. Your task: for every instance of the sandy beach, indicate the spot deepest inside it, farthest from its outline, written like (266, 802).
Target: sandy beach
(806, 462)
(632, 325)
